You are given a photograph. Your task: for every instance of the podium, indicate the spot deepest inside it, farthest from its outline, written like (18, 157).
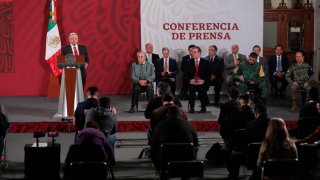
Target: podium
(71, 89)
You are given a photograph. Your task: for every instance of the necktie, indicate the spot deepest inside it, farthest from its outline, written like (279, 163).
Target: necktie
(166, 65)
(279, 66)
(149, 57)
(75, 51)
(196, 76)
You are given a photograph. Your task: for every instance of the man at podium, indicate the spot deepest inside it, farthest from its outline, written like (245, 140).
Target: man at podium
(77, 49)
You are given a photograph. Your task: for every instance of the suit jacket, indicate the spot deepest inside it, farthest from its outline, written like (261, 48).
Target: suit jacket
(229, 62)
(256, 129)
(82, 51)
(272, 65)
(148, 70)
(184, 62)
(228, 115)
(216, 67)
(154, 57)
(173, 68)
(203, 71)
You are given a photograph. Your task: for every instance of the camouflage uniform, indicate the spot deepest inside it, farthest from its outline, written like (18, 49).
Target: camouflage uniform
(300, 74)
(255, 73)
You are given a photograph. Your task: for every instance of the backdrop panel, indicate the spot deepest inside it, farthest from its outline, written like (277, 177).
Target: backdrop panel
(176, 24)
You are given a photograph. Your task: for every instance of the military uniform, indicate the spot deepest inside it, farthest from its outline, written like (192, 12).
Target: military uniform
(253, 72)
(300, 74)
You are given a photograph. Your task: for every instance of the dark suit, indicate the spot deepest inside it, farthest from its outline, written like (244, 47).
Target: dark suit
(185, 83)
(173, 69)
(154, 58)
(256, 129)
(216, 68)
(203, 73)
(272, 65)
(82, 51)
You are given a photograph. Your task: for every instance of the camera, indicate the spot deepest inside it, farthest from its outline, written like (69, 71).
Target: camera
(53, 134)
(39, 134)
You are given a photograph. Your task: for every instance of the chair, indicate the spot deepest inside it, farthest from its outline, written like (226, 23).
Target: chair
(185, 169)
(240, 140)
(172, 152)
(286, 168)
(306, 126)
(86, 160)
(252, 155)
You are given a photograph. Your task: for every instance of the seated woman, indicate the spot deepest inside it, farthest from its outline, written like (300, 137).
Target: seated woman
(277, 144)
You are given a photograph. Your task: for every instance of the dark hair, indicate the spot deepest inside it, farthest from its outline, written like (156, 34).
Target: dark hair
(92, 124)
(256, 46)
(260, 108)
(167, 97)
(104, 102)
(234, 92)
(191, 46)
(245, 98)
(278, 45)
(313, 93)
(173, 112)
(197, 47)
(163, 88)
(215, 47)
(93, 90)
(253, 55)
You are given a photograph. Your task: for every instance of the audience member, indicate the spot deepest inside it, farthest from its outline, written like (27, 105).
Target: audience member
(232, 61)
(4, 125)
(197, 72)
(260, 60)
(174, 129)
(90, 102)
(298, 75)
(277, 144)
(167, 69)
(315, 136)
(229, 114)
(142, 75)
(256, 129)
(185, 82)
(216, 64)
(246, 113)
(105, 117)
(252, 77)
(278, 65)
(151, 57)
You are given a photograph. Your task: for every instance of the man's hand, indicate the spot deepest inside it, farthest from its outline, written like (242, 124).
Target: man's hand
(251, 82)
(295, 83)
(279, 74)
(241, 78)
(86, 65)
(238, 62)
(163, 73)
(306, 85)
(142, 82)
(114, 110)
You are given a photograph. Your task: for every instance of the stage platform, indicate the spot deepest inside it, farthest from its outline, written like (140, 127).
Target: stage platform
(30, 114)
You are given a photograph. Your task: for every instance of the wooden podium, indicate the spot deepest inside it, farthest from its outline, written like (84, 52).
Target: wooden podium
(71, 89)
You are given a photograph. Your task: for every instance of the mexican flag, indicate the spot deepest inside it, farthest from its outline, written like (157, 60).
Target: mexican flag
(53, 42)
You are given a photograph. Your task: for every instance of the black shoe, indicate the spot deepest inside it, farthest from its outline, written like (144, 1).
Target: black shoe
(191, 110)
(203, 110)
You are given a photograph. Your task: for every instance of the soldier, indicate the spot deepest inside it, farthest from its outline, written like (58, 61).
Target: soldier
(251, 75)
(298, 75)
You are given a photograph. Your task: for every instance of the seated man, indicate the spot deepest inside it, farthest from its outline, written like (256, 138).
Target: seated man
(197, 72)
(167, 69)
(277, 67)
(216, 66)
(108, 119)
(142, 75)
(4, 125)
(298, 75)
(251, 76)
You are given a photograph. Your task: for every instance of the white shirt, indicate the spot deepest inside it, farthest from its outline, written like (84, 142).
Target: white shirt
(164, 64)
(76, 48)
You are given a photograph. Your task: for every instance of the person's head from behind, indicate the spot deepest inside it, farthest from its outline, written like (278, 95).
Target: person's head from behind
(141, 56)
(167, 99)
(234, 93)
(260, 109)
(276, 131)
(105, 102)
(252, 58)
(313, 94)
(245, 100)
(163, 88)
(92, 92)
(73, 38)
